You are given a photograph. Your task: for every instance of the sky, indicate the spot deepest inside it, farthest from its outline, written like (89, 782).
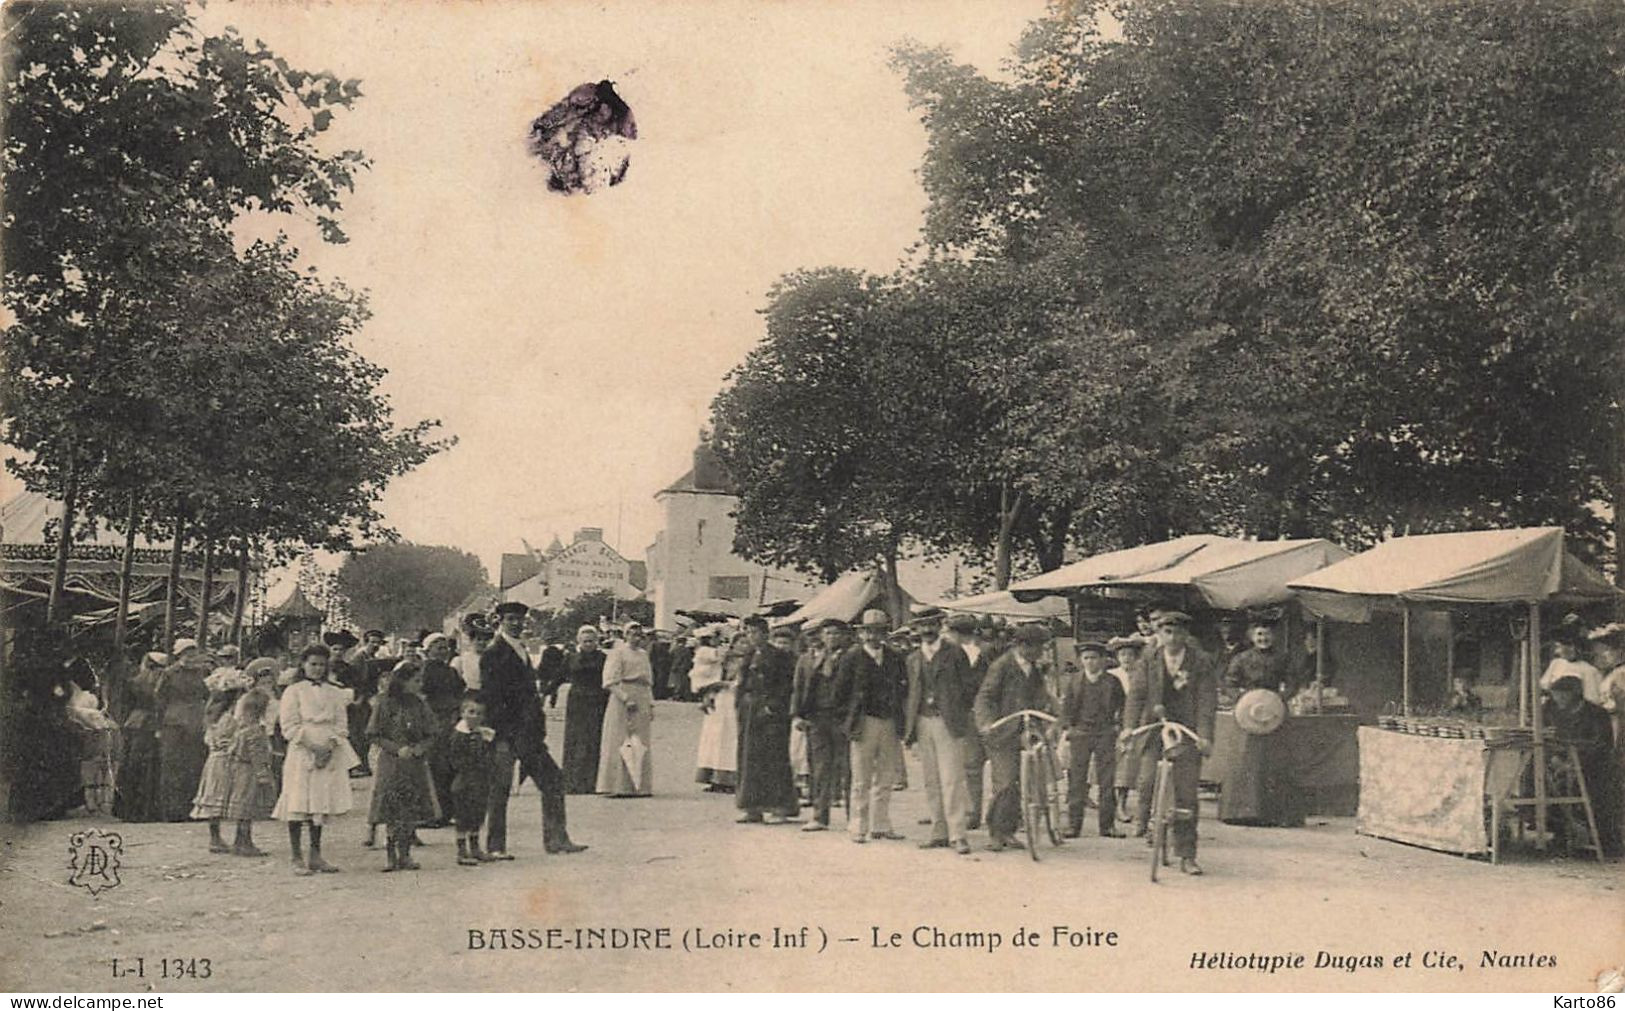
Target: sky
(573, 344)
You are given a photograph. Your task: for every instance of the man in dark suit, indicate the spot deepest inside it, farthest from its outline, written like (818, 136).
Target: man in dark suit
(1014, 682)
(818, 704)
(877, 688)
(1182, 684)
(965, 632)
(767, 787)
(514, 710)
(937, 720)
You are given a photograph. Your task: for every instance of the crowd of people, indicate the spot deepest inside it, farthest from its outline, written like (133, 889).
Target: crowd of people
(795, 718)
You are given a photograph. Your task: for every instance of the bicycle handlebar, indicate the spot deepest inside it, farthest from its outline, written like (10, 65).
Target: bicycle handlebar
(996, 724)
(1171, 732)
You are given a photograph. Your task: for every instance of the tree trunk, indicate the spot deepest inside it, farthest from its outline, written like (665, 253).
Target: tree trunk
(173, 588)
(64, 540)
(893, 591)
(1009, 512)
(121, 621)
(242, 595)
(1048, 538)
(207, 591)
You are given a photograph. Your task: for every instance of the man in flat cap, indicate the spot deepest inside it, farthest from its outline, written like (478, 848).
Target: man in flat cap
(513, 710)
(819, 704)
(1182, 684)
(1014, 682)
(937, 720)
(877, 687)
(1092, 716)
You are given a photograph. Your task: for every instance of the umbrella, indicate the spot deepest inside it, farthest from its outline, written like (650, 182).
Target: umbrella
(632, 751)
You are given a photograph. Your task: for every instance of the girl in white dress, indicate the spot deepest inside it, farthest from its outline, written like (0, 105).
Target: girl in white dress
(316, 773)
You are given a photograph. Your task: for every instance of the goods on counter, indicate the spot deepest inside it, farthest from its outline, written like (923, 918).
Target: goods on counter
(1311, 700)
(1441, 726)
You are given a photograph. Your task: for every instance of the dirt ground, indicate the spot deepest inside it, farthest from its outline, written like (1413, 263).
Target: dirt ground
(915, 920)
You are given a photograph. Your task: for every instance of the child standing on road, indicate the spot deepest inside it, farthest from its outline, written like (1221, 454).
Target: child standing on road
(210, 800)
(402, 727)
(316, 773)
(473, 745)
(252, 789)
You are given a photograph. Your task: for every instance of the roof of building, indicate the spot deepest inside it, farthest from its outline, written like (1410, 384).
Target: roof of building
(516, 569)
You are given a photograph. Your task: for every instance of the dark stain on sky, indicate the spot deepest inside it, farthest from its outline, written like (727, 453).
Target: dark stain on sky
(583, 139)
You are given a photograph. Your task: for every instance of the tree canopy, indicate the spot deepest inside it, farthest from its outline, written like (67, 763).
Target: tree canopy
(403, 587)
(1287, 269)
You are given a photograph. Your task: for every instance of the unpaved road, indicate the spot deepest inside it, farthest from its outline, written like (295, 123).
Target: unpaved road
(678, 863)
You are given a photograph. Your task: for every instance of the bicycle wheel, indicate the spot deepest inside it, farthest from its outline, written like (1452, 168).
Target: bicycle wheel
(1162, 809)
(1053, 798)
(1031, 800)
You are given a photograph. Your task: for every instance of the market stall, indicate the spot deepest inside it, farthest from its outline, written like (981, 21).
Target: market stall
(1317, 766)
(1308, 763)
(1439, 783)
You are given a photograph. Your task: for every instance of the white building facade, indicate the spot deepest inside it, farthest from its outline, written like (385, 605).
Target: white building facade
(692, 564)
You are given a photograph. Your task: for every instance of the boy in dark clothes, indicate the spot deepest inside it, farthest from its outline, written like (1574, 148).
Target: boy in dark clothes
(1092, 715)
(473, 745)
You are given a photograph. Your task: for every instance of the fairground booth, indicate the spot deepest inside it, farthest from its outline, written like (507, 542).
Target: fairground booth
(1302, 758)
(1449, 627)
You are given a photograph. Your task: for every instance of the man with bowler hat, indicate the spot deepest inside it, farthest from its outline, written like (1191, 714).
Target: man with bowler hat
(819, 704)
(937, 720)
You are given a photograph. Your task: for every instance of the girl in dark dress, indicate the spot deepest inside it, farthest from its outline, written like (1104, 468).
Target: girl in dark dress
(402, 726)
(584, 713)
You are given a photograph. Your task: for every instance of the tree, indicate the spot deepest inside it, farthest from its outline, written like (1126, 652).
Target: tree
(589, 609)
(797, 427)
(246, 419)
(1365, 256)
(403, 587)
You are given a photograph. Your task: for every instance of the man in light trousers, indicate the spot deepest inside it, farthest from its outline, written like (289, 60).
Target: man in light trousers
(877, 688)
(937, 720)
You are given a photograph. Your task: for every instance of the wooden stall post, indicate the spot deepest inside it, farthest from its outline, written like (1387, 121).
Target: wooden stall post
(1405, 662)
(1537, 721)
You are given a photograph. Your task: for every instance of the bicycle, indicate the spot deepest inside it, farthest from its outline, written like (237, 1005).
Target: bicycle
(1041, 796)
(1163, 812)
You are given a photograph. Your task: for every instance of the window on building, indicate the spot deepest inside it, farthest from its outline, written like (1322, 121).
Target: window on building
(730, 587)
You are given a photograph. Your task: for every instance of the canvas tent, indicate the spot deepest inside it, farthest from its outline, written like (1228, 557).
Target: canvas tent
(1227, 573)
(28, 557)
(1003, 604)
(1473, 567)
(844, 600)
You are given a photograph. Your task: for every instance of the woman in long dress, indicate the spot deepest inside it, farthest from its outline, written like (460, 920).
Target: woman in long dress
(316, 772)
(135, 796)
(584, 708)
(182, 752)
(1130, 671)
(717, 760)
(629, 680)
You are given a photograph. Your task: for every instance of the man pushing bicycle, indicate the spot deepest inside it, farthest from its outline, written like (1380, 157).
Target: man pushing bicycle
(1013, 683)
(1182, 685)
